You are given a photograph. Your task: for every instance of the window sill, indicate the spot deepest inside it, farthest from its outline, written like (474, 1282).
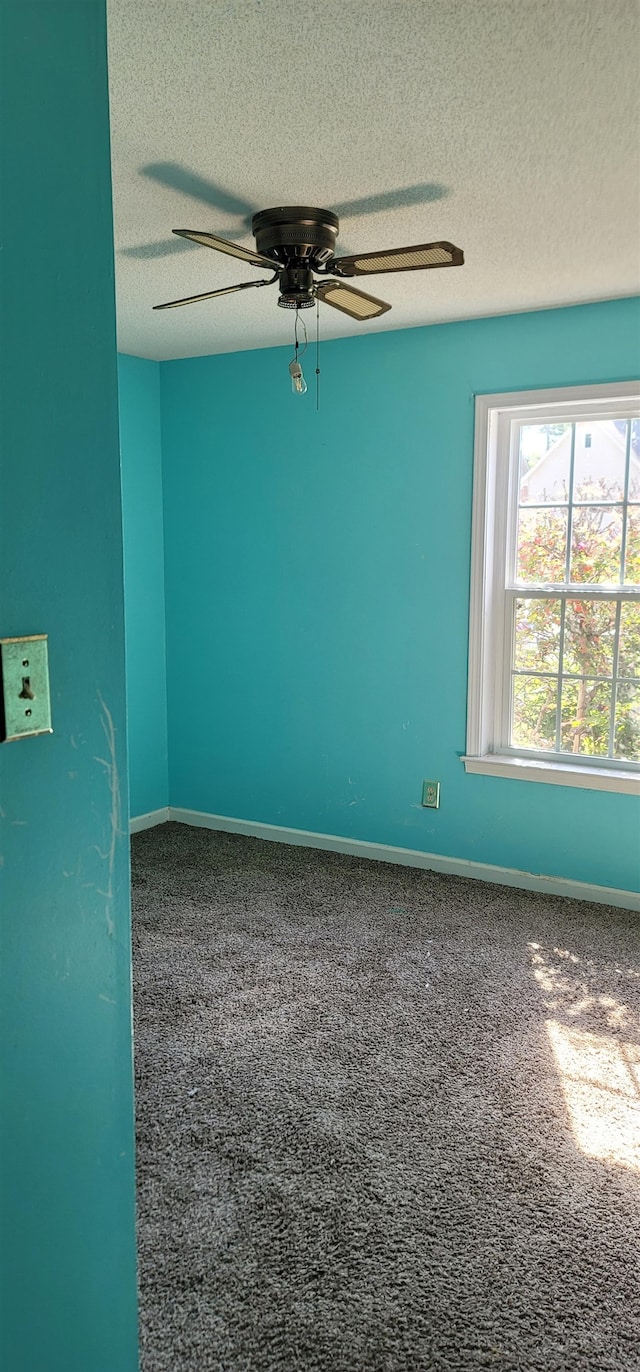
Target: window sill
(557, 773)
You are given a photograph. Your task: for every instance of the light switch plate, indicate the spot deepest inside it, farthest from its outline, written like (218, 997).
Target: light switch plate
(26, 702)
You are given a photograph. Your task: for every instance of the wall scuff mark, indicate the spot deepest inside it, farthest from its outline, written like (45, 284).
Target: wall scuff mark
(108, 855)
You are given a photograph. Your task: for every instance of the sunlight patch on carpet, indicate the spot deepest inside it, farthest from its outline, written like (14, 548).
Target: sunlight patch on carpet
(601, 1081)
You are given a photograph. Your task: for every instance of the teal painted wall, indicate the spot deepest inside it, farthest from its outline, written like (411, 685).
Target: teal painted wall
(139, 404)
(68, 1277)
(317, 590)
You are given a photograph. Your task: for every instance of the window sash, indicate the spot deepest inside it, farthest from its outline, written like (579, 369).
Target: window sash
(622, 503)
(504, 696)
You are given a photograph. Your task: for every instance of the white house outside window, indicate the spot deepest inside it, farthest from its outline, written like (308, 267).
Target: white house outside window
(554, 655)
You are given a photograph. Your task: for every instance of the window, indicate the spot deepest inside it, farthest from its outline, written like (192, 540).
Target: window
(554, 652)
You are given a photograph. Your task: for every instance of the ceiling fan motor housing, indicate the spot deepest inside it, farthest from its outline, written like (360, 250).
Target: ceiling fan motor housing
(296, 235)
(302, 239)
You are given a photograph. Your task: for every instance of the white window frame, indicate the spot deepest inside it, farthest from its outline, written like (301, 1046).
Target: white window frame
(495, 496)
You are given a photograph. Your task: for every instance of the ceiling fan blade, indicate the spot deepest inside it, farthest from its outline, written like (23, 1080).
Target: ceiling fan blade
(349, 301)
(178, 178)
(209, 295)
(211, 240)
(399, 260)
(402, 198)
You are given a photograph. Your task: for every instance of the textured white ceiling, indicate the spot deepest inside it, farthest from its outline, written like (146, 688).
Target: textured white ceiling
(510, 127)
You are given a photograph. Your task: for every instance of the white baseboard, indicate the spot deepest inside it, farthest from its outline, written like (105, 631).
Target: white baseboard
(411, 857)
(149, 820)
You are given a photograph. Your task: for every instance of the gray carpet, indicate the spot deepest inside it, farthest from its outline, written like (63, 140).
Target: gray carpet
(360, 1147)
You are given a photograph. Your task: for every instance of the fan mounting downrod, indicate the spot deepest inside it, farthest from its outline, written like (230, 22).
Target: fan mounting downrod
(303, 239)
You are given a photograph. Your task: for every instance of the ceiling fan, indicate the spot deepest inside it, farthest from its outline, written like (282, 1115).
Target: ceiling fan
(297, 243)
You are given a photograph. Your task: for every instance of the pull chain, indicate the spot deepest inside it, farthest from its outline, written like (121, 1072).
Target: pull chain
(317, 354)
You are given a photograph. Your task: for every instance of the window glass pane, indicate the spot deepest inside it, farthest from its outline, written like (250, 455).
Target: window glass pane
(589, 633)
(537, 635)
(629, 654)
(627, 735)
(533, 712)
(599, 460)
(542, 544)
(585, 717)
(632, 559)
(545, 463)
(634, 461)
(596, 544)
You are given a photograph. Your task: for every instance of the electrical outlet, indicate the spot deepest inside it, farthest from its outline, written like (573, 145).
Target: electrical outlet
(431, 795)
(26, 705)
